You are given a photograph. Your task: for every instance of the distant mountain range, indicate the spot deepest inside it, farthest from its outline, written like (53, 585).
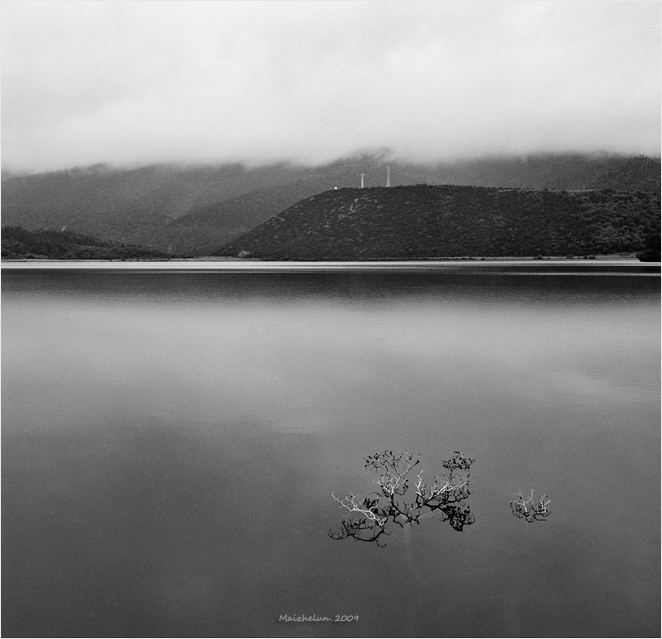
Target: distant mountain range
(425, 221)
(198, 209)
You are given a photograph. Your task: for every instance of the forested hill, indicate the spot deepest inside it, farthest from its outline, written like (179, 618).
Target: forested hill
(19, 243)
(206, 228)
(199, 208)
(423, 221)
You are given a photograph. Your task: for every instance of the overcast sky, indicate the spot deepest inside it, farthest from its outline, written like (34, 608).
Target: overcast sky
(142, 82)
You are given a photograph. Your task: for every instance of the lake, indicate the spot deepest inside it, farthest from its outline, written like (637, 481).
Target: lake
(172, 434)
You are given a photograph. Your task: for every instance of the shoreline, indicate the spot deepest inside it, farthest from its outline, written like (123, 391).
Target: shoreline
(593, 258)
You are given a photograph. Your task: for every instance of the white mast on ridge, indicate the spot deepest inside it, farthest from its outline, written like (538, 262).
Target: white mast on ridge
(388, 175)
(362, 175)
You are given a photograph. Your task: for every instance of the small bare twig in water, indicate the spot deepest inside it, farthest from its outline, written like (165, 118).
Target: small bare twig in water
(529, 509)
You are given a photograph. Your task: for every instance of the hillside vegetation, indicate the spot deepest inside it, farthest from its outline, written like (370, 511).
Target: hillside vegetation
(197, 209)
(19, 243)
(424, 221)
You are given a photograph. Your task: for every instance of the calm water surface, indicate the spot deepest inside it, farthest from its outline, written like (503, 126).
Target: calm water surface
(171, 437)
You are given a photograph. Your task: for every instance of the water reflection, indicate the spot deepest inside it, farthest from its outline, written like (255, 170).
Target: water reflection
(170, 441)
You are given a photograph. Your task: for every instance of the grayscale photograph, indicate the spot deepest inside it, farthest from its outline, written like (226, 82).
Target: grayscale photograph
(330, 318)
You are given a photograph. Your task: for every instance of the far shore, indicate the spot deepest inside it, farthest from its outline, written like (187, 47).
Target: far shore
(211, 258)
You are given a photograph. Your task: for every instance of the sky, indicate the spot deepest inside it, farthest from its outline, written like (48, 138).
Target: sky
(139, 82)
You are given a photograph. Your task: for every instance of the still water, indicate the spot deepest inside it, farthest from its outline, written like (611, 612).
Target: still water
(172, 434)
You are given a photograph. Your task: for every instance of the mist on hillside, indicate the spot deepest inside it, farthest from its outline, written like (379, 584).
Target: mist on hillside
(136, 83)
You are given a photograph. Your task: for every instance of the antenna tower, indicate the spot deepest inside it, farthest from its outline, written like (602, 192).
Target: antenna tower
(388, 175)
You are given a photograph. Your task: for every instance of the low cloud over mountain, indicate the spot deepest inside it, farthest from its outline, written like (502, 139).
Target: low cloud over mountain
(135, 83)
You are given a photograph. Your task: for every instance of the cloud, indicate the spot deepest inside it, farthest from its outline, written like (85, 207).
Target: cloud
(139, 82)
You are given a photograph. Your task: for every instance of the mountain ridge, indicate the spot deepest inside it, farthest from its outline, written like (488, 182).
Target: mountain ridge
(198, 209)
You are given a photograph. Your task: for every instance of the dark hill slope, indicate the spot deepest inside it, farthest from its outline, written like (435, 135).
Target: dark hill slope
(204, 229)
(19, 243)
(411, 222)
(207, 228)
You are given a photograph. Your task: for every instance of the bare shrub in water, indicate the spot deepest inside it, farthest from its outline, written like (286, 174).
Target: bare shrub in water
(529, 509)
(403, 500)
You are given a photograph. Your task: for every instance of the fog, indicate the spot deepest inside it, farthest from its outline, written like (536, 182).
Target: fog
(256, 82)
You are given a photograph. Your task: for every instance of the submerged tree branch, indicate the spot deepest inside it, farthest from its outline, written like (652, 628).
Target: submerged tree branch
(367, 519)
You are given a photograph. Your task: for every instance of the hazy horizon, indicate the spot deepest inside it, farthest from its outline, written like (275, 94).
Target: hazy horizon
(137, 83)
(387, 158)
